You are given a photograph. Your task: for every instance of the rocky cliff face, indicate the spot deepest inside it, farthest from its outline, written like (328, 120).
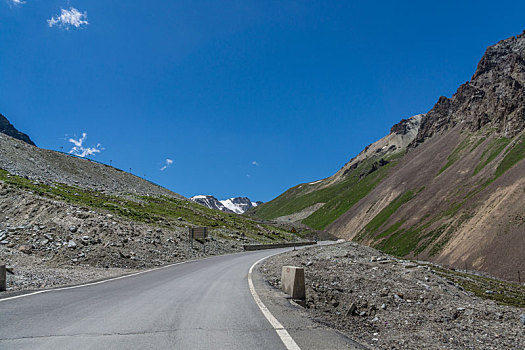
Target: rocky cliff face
(456, 197)
(494, 98)
(7, 128)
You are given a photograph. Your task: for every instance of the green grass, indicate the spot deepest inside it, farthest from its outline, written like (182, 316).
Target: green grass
(491, 152)
(338, 198)
(391, 229)
(505, 293)
(513, 156)
(403, 241)
(418, 238)
(440, 237)
(446, 231)
(479, 142)
(343, 198)
(427, 239)
(373, 225)
(159, 211)
(454, 156)
(443, 240)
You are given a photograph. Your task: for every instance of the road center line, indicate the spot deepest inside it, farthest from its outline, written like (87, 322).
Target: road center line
(286, 338)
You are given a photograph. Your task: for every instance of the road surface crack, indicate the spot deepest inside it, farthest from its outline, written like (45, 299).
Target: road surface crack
(164, 331)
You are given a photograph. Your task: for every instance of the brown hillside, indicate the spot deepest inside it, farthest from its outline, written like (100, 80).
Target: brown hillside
(458, 195)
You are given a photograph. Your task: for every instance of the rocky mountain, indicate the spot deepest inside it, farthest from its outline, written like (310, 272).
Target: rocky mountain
(446, 186)
(320, 202)
(7, 128)
(210, 202)
(47, 166)
(237, 205)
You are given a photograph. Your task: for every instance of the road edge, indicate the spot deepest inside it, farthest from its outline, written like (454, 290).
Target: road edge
(309, 332)
(26, 293)
(283, 334)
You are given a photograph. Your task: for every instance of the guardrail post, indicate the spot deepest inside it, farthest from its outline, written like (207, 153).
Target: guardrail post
(3, 278)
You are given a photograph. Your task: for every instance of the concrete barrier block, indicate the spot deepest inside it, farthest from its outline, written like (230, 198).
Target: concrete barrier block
(251, 247)
(292, 282)
(3, 278)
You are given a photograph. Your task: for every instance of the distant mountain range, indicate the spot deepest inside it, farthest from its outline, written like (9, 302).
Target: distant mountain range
(447, 186)
(237, 205)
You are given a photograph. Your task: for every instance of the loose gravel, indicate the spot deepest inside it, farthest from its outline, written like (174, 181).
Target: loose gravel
(388, 303)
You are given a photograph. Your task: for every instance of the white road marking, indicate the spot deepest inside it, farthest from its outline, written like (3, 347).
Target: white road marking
(286, 338)
(283, 334)
(99, 282)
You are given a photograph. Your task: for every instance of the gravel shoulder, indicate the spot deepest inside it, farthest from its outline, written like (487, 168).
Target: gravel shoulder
(27, 279)
(384, 302)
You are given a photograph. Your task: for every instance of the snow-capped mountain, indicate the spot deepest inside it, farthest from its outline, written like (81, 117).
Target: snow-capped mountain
(239, 204)
(236, 205)
(210, 202)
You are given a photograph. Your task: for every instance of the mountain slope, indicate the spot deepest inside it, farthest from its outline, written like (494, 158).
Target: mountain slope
(321, 202)
(46, 166)
(7, 128)
(455, 194)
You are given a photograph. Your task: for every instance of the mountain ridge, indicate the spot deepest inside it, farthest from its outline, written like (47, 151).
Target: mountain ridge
(237, 205)
(8, 129)
(455, 192)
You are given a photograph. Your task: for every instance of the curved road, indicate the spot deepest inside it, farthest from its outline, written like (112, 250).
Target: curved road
(203, 304)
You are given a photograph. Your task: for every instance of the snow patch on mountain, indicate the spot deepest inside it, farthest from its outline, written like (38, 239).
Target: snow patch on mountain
(210, 202)
(237, 205)
(315, 182)
(228, 203)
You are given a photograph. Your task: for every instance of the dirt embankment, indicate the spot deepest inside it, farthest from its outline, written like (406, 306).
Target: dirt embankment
(50, 243)
(388, 303)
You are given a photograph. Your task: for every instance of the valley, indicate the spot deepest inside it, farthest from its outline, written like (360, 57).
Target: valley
(421, 241)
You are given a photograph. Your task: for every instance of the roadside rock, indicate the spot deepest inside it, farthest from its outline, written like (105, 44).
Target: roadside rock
(399, 304)
(25, 249)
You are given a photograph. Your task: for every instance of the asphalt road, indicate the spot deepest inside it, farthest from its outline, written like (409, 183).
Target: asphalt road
(204, 304)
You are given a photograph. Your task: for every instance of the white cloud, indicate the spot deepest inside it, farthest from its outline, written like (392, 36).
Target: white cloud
(168, 163)
(17, 2)
(255, 163)
(79, 149)
(68, 18)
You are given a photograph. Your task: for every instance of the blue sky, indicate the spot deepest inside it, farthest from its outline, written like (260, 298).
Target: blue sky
(246, 98)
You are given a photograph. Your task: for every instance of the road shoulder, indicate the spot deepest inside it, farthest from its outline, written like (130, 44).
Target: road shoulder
(307, 333)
